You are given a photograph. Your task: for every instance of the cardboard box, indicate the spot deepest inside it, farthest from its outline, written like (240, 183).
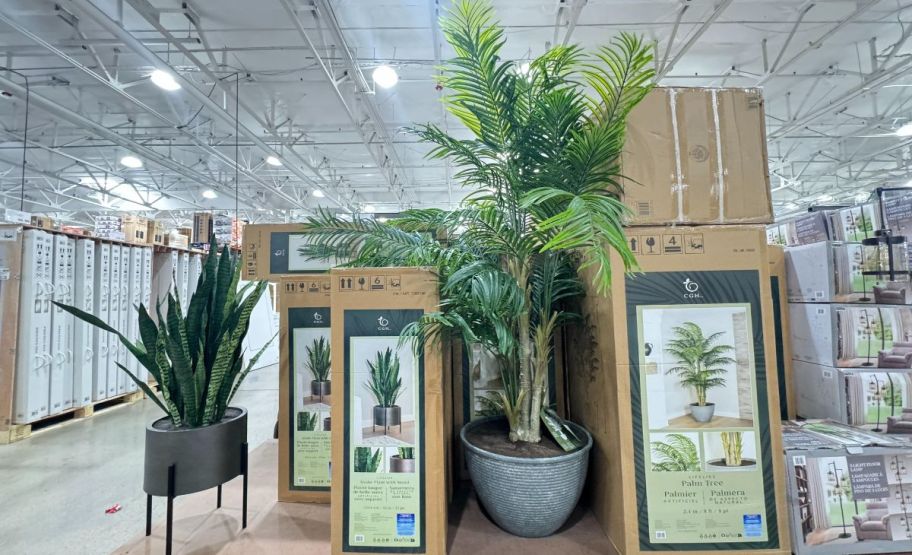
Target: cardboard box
(156, 232)
(176, 240)
(865, 398)
(136, 229)
(271, 251)
(623, 389)
(849, 483)
(776, 255)
(202, 227)
(370, 307)
(43, 222)
(844, 224)
(304, 409)
(10, 216)
(697, 156)
(896, 209)
(10, 278)
(833, 272)
(852, 336)
(75, 230)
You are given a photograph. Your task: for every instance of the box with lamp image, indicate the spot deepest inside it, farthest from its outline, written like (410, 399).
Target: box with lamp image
(852, 336)
(305, 388)
(874, 399)
(849, 490)
(391, 432)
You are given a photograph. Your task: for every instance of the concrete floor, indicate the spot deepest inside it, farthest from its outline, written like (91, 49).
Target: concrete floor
(56, 485)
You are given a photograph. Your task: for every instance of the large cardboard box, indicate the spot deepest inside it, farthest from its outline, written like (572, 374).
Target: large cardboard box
(304, 408)
(136, 229)
(852, 336)
(833, 272)
(697, 156)
(390, 466)
(624, 390)
(848, 490)
(202, 227)
(271, 251)
(10, 278)
(778, 288)
(156, 232)
(868, 398)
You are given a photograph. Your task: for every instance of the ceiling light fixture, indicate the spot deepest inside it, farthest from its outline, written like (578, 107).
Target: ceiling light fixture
(210, 194)
(905, 130)
(164, 80)
(385, 76)
(383, 219)
(273, 161)
(130, 161)
(825, 198)
(318, 193)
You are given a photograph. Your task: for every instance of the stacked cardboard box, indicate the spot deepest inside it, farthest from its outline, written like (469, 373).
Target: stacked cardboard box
(135, 229)
(156, 232)
(109, 227)
(202, 227)
(694, 159)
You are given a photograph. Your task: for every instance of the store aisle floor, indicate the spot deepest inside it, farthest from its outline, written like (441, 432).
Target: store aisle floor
(56, 485)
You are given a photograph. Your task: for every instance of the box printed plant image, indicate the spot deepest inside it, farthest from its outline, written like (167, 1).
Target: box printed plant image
(318, 357)
(702, 363)
(675, 453)
(386, 386)
(367, 459)
(307, 421)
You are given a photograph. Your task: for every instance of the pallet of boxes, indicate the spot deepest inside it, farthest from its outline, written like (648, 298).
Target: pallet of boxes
(851, 337)
(674, 371)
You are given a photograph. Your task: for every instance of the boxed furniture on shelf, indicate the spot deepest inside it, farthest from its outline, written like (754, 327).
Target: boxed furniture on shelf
(390, 451)
(10, 216)
(876, 399)
(697, 156)
(852, 336)
(156, 232)
(202, 227)
(835, 272)
(305, 388)
(136, 229)
(776, 256)
(849, 490)
(271, 251)
(11, 239)
(849, 224)
(669, 473)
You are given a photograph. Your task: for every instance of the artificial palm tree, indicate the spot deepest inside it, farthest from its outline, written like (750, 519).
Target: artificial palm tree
(676, 454)
(701, 359)
(542, 170)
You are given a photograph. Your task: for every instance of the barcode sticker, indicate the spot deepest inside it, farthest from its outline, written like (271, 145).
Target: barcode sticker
(799, 460)
(359, 538)
(661, 535)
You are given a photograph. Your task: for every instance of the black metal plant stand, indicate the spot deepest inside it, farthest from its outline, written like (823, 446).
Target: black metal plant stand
(169, 526)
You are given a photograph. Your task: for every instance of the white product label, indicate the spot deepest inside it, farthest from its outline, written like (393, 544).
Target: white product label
(8, 234)
(799, 460)
(5, 274)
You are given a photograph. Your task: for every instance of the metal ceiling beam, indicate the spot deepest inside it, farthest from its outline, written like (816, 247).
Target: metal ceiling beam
(360, 108)
(694, 37)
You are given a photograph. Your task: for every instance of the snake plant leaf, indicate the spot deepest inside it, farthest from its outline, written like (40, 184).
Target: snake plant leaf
(148, 333)
(180, 361)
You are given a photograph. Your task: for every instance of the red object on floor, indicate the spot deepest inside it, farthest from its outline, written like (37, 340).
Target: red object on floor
(113, 509)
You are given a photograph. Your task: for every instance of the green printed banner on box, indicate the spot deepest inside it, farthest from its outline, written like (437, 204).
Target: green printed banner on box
(311, 398)
(700, 412)
(383, 509)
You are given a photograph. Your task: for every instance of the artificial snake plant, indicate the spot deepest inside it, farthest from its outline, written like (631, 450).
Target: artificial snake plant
(543, 173)
(307, 421)
(318, 357)
(196, 358)
(383, 380)
(701, 359)
(367, 459)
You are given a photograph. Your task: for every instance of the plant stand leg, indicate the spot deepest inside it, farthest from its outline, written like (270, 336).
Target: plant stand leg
(148, 515)
(218, 498)
(169, 526)
(244, 470)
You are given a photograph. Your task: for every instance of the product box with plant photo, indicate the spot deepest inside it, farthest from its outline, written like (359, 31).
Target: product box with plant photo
(271, 251)
(874, 399)
(778, 289)
(849, 491)
(852, 336)
(674, 374)
(305, 388)
(390, 434)
(846, 273)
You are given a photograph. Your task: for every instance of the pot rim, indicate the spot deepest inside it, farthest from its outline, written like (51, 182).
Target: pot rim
(582, 451)
(706, 405)
(151, 427)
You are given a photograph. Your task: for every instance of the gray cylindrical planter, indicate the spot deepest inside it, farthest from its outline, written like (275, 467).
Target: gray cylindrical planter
(327, 424)
(320, 389)
(398, 464)
(387, 416)
(203, 457)
(704, 413)
(531, 498)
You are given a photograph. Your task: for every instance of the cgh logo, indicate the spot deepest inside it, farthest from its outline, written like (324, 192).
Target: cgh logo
(318, 317)
(384, 324)
(692, 289)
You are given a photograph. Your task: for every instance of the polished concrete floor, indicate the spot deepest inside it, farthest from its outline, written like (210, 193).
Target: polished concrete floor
(56, 485)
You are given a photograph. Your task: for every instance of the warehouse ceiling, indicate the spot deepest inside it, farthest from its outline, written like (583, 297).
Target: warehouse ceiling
(836, 73)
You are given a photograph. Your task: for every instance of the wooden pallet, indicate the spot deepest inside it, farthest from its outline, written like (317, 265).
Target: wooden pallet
(18, 432)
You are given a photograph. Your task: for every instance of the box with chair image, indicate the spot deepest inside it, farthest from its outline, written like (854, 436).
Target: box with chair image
(849, 490)
(391, 433)
(687, 442)
(305, 388)
(874, 399)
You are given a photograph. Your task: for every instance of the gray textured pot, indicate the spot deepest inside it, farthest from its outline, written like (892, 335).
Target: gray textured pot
(327, 424)
(202, 457)
(531, 498)
(398, 464)
(704, 413)
(319, 389)
(388, 416)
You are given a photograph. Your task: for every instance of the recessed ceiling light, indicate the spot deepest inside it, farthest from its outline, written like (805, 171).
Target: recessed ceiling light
(825, 198)
(383, 219)
(210, 194)
(131, 161)
(164, 80)
(385, 76)
(273, 161)
(318, 193)
(905, 130)
(369, 208)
